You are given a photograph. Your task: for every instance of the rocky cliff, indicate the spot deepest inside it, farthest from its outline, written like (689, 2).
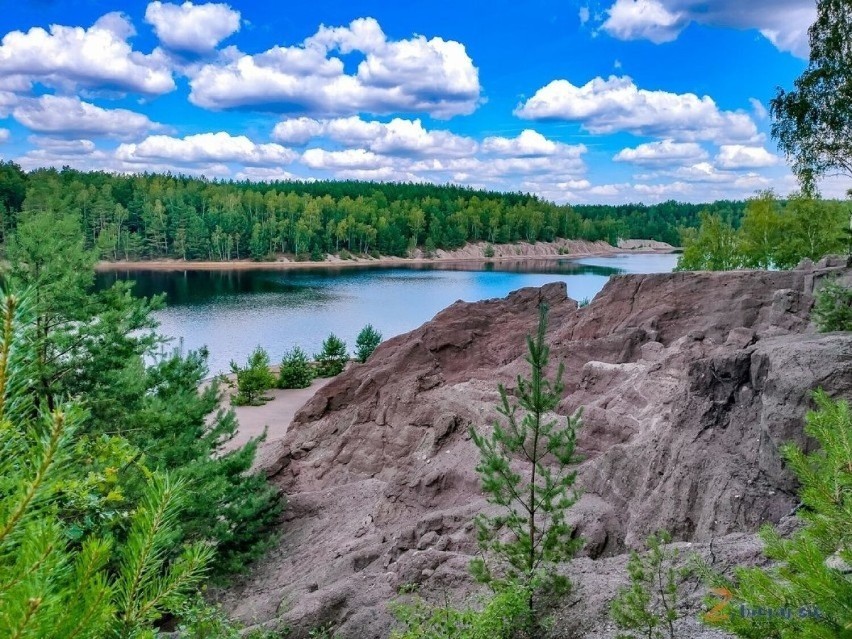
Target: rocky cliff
(690, 382)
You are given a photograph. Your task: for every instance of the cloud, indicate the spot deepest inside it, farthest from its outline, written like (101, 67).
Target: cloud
(397, 137)
(198, 28)
(760, 111)
(347, 159)
(63, 146)
(584, 15)
(738, 156)
(617, 104)
(662, 153)
(71, 117)
(530, 143)
(297, 130)
(265, 174)
(205, 148)
(4, 135)
(99, 57)
(782, 22)
(643, 19)
(434, 76)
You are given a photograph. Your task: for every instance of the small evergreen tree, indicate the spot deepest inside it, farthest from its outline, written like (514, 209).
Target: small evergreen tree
(332, 359)
(296, 370)
(366, 342)
(525, 467)
(807, 592)
(833, 308)
(650, 606)
(253, 380)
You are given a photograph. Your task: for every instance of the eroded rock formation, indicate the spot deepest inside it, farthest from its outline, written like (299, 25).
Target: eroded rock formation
(690, 382)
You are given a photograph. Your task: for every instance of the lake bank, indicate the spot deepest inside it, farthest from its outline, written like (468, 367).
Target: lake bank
(471, 253)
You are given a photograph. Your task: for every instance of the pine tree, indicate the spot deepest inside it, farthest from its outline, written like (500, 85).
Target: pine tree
(332, 359)
(650, 606)
(296, 370)
(525, 467)
(366, 342)
(807, 591)
(50, 587)
(253, 379)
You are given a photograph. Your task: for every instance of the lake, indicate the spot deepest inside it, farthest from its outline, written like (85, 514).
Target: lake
(232, 311)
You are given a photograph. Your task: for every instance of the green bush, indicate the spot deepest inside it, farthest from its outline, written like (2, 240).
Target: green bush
(833, 308)
(488, 251)
(502, 616)
(366, 342)
(333, 357)
(650, 606)
(253, 380)
(296, 371)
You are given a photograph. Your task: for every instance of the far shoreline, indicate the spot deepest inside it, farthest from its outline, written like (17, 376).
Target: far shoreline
(366, 262)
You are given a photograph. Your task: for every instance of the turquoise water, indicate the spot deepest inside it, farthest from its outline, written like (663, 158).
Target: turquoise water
(231, 312)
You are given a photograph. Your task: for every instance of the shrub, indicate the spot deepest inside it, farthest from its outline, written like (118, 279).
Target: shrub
(296, 370)
(500, 617)
(833, 308)
(253, 379)
(366, 342)
(374, 254)
(344, 254)
(650, 606)
(488, 251)
(332, 358)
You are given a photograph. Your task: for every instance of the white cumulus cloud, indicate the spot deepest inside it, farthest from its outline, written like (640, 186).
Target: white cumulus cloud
(71, 116)
(662, 153)
(783, 22)
(738, 156)
(4, 135)
(434, 76)
(218, 147)
(617, 104)
(198, 28)
(397, 137)
(97, 57)
(530, 143)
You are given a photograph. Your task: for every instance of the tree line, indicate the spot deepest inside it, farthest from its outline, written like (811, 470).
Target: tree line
(771, 234)
(152, 216)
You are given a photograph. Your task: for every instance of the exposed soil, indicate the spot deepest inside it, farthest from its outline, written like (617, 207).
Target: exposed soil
(474, 252)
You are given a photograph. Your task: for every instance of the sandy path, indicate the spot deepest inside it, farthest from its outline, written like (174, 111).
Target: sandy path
(276, 414)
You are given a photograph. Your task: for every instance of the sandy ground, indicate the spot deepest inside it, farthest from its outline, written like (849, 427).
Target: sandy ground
(471, 253)
(275, 415)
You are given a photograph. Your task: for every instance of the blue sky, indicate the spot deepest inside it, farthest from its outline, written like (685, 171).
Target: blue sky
(578, 101)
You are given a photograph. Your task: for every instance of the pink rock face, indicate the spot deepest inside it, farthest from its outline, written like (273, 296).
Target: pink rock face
(690, 382)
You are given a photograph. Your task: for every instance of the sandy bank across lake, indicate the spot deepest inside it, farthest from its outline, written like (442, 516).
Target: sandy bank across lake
(469, 255)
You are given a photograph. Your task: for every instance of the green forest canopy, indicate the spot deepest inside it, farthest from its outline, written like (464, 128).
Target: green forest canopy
(153, 216)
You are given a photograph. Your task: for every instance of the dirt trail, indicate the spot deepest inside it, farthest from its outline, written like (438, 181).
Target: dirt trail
(275, 415)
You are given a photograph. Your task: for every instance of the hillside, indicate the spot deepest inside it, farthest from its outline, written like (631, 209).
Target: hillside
(690, 383)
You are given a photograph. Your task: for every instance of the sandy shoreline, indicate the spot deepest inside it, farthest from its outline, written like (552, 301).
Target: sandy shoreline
(336, 263)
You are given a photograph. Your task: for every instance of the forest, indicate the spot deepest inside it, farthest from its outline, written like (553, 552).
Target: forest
(153, 216)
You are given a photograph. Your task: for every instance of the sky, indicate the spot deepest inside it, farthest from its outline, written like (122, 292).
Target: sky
(579, 101)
